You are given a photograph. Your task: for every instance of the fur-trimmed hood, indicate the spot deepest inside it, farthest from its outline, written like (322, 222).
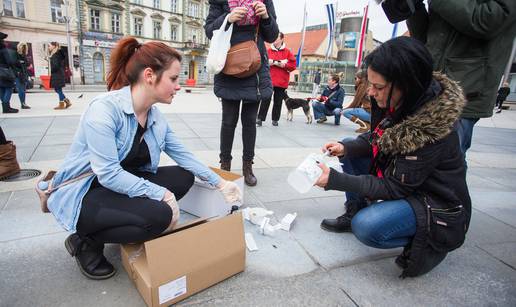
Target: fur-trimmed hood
(429, 124)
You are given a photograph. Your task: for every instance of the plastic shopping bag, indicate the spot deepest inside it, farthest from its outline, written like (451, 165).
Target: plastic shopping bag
(219, 46)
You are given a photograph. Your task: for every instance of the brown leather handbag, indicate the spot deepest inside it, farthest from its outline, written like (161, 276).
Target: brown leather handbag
(243, 59)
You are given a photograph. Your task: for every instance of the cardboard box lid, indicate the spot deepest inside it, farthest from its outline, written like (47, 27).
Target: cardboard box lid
(192, 248)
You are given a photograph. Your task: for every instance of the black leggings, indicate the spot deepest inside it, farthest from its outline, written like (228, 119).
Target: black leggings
(279, 94)
(110, 217)
(230, 112)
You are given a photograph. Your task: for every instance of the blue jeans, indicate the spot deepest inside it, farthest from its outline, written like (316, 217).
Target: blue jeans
(20, 87)
(357, 112)
(321, 111)
(5, 95)
(465, 132)
(385, 224)
(59, 91)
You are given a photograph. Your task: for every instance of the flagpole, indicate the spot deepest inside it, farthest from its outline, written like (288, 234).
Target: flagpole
(363, 32)
(303, 32)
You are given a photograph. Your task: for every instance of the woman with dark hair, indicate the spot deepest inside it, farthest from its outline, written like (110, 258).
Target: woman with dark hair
(57, 74)
(111, 189)
(359, 110)
(253, 20)
(22, 75)
(405, 181)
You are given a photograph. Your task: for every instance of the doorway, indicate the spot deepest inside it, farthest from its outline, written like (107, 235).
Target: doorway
(98, 68)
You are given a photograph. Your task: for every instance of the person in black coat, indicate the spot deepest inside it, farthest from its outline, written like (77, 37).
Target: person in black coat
(22, 75)
(7, 62)
(251, 90)
(503, 92)
(57, 74)
(405, 180)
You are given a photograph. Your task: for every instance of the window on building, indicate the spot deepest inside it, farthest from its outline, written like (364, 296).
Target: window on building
(157, 4)
(193, 9)
(115, 23)
(95, 19)
(137, 1)
(138, 26)
(8, 8)
(20, 8)
(56, 11)
(173, 32)
(156, 29)
(195, 36)
(173, 6)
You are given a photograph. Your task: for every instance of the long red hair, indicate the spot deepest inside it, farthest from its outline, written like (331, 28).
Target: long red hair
(130, 57)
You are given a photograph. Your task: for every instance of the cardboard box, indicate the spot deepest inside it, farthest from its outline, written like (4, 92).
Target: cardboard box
(193, 257)
(203, 200)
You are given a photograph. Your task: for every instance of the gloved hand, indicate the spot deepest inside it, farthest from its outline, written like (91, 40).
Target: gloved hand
(170, 199)
(230, 191)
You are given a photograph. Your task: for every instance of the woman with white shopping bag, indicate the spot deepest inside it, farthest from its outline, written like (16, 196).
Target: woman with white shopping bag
(251, 21)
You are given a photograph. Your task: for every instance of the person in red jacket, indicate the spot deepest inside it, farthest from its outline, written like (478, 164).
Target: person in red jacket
(281, 62)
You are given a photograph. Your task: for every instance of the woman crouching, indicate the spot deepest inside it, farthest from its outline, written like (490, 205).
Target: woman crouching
(112, 190)
(414, 193)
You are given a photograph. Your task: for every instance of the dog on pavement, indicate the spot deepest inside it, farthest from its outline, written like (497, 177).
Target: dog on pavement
(294, 103)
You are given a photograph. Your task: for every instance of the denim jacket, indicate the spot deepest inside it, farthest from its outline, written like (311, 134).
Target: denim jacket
(103, 139)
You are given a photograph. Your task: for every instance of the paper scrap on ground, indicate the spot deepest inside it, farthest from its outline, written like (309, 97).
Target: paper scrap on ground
(287, 221)
(250, 243)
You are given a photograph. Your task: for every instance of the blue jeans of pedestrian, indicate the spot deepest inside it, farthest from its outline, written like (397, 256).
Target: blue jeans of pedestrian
(5, 95)
(385, 224)
(321, 111)
(20, 87)
(59, 91)
(357, 112)
(465, 132)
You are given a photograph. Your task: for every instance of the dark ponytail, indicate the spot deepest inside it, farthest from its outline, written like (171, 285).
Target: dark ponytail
(130, 57)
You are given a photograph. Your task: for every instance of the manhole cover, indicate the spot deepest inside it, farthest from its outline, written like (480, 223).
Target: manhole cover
(24, 174)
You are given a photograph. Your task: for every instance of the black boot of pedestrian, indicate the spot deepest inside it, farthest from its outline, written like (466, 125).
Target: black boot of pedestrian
(343, 222)
(8, 109)
(90, 257)
(25, 106)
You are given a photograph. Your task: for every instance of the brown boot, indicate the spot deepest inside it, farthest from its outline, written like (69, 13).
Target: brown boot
(67, 103)
(225, 165)
(247, 169)
(61, 106)
(8, 164)
(364, 126)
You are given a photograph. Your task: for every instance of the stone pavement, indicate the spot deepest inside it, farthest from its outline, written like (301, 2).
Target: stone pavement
(304, 267)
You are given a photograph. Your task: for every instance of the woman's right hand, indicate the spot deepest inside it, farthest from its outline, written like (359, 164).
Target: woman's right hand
(170, 199)
(237, 14)
(336, 149)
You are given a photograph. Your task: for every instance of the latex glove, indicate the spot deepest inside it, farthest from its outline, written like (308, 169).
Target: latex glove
(170, 199)
(230, 191)
(271, 62)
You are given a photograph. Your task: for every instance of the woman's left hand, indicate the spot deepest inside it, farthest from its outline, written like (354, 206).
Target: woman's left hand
(230, 191)
(260, 10)
(322, 181)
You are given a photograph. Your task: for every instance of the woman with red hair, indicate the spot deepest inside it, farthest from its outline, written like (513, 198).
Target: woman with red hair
(111, 188)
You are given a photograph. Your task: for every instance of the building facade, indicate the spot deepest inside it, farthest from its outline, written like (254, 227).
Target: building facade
(178, 23)
(38, 23)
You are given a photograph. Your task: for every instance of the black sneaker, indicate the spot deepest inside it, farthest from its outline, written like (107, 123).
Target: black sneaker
(258, 123)
(89, 256)
(275, 123)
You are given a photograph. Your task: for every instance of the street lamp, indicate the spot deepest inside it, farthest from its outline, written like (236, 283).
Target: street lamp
(69, 42)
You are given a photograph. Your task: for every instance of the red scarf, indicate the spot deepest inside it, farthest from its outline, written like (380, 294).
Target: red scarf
(377, 133)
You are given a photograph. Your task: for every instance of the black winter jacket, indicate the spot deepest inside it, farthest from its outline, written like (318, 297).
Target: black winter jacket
(423, 164)
(7, 60)
(57, 75)
(256, 87)
(337, 97)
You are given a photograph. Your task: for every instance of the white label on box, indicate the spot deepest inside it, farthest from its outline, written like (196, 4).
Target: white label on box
(171, 290)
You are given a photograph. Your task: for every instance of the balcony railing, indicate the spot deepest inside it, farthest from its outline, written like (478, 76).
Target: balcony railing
(193, 45)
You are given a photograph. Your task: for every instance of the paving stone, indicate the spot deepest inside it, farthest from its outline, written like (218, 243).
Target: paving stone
(467, 277)
(245, 289)
(499, 205)
(213, 143)
(479, 183)
(194, 144)
(26, 141)
(57, 139)
(4, 197)
(64, 125)
(51, 152)
(485, 229)
(504, 176)
(327, 248)
(26, 127)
